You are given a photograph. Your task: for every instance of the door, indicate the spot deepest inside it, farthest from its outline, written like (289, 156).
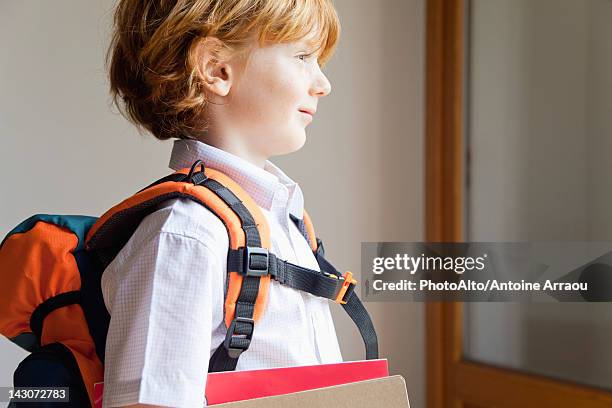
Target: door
(518, 138)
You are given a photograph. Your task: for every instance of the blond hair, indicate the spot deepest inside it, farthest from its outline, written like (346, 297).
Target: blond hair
(153, 70)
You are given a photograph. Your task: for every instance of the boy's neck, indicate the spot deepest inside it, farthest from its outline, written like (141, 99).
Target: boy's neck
(241, 150)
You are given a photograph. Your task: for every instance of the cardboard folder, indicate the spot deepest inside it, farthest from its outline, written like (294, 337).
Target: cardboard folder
(388, 392)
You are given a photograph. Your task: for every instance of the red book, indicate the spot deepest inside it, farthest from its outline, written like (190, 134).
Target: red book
(231, 386)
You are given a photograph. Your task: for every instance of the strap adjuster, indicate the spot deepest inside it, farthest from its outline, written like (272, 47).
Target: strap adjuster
(348, 282)
(256, 261)
(236, 344)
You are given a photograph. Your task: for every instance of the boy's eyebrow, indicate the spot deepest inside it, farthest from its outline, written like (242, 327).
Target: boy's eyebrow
(311, 40)
(312, 45)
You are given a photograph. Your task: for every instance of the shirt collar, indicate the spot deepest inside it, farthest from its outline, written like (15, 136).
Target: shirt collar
(260, 183)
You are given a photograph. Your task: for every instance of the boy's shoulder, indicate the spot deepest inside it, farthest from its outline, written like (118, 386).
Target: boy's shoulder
(184, 219)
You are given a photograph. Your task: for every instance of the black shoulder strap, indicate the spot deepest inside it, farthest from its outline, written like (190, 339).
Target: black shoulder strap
(240, 332)
(356, 311)
(351, 302)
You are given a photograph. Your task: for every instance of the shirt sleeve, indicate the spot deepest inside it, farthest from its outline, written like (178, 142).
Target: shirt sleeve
(161, 292)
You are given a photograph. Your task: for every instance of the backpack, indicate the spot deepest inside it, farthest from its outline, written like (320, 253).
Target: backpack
(51, 267)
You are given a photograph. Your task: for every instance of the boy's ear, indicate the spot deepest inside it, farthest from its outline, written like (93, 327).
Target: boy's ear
(216, 73)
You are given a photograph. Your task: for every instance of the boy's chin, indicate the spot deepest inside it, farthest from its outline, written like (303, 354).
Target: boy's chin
(292, 144)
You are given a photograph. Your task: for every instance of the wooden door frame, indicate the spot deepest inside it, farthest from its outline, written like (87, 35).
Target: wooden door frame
(452, 381)
(443, 181)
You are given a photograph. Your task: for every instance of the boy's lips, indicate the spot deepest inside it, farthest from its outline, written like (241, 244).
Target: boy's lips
(308, 111)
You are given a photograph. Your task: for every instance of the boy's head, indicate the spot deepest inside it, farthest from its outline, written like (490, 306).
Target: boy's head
(239, 74)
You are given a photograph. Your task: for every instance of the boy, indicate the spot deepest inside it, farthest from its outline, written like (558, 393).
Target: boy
(236, 82)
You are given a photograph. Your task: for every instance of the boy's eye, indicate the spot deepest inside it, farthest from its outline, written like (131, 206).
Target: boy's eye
(304, 57)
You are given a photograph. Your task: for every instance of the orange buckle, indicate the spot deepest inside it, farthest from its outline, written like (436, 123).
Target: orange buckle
(348, 281)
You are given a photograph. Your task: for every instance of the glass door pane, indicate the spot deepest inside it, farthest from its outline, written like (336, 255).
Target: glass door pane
(539, 139)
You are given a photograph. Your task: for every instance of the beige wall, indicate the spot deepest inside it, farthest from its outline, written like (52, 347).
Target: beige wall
(361, 170)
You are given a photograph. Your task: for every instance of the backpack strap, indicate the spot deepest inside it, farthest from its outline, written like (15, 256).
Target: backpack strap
(349, 299)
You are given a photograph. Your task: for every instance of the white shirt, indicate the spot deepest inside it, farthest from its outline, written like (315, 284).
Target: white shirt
(165, 293)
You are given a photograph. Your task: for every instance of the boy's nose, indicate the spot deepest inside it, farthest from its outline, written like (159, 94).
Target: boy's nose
(321, 86)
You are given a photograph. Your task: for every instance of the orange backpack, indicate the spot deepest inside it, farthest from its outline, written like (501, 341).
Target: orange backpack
(51, 267)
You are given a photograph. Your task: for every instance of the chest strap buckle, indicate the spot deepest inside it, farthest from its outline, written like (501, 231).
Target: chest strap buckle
(256, 261)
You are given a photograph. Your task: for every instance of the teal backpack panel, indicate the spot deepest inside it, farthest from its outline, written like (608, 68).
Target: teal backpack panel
(78, 224)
